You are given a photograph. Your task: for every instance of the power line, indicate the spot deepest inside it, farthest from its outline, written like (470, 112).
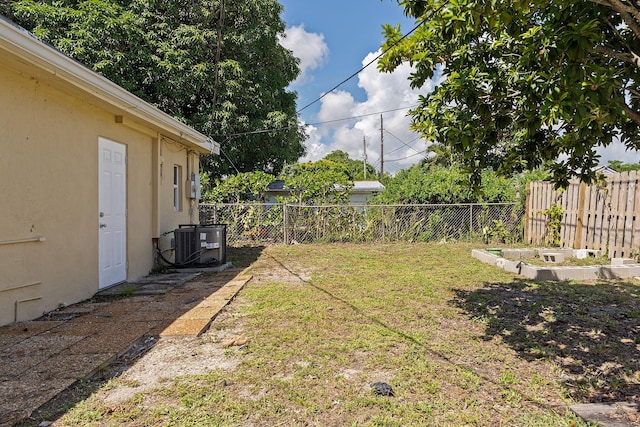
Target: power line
(362, 115)
(408, 157)
(406, 144)
(399, 148)
(255, 132)
(367, 65)
(229, 160)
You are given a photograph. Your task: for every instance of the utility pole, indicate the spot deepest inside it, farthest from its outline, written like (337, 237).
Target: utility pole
(381, 147)
(364, 165)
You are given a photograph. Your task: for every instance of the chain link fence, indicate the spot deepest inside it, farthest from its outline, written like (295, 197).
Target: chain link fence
(255, 223)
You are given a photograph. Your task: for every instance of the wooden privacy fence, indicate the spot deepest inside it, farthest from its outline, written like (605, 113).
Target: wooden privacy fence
(604, 216)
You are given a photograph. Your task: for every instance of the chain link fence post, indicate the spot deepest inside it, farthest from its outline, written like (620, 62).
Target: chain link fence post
(285, 220)
(382, 222)
(470, 222)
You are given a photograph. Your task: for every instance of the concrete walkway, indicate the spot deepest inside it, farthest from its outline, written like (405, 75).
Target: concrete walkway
(40, 359)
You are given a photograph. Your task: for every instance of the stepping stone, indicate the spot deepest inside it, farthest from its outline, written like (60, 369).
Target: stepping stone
(616, 414)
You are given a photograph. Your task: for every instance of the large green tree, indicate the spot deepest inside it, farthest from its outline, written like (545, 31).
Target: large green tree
(620, 166)
(425, 184)
(240, 188)
(320, 182)
(526, 82)
(356, 168)
(166, 52)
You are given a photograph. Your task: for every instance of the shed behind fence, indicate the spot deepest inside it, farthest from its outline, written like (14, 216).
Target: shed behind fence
(604, 216)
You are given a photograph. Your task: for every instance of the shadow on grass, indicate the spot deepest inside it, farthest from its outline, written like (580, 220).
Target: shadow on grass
(83, 388)
(591, 331)
(244, 256)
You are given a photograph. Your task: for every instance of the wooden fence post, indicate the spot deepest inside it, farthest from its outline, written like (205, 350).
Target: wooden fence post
(528, 208)
(582, 198)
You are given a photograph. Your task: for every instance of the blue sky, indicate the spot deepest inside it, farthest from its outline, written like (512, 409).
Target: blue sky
(350, 29)
(334, 39)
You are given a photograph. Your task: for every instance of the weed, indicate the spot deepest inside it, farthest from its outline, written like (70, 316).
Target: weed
(554, 216)
(128, 289)
(508, 378)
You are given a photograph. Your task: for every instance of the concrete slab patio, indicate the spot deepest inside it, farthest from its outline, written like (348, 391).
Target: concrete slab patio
(40, 359)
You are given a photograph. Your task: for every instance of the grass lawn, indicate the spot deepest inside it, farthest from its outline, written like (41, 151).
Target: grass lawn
(461, 343)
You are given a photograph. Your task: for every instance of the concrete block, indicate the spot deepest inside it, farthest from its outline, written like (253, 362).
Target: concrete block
(513, 266)
(632, 271)
(553, 257)
(545, 273)
(507, 265)
(558, 273)
(591, 273)
(567, 252)
(580, 253)
(575, 273)
(622, 261)
(511, 253)
(518, 253)
(484, 256)
(527, 253)
(585, 253)
(620, 271)
(530, 272)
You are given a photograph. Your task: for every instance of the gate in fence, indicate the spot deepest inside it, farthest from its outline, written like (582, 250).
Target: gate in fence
(256, 223)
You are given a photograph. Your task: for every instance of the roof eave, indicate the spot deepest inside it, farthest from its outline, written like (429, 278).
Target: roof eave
(24, 45)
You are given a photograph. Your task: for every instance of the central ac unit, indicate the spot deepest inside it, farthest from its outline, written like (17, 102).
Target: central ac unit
(196, 244)
(187, 250)
(213, 243)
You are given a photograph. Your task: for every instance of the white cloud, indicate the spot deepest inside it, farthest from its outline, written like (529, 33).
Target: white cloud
(388, 94)
(336, 105)
(310, 48)
(314, 147)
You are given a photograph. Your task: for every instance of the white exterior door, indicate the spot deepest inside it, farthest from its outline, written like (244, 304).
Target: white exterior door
(112, 219)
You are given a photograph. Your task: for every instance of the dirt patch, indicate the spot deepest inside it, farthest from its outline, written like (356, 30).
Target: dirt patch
(170, 358)
(159, 360)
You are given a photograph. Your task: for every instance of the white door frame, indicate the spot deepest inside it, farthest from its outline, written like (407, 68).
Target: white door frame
(112, 212)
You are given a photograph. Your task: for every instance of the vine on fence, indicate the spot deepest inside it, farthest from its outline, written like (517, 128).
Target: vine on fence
(554, 216)
(252, 223)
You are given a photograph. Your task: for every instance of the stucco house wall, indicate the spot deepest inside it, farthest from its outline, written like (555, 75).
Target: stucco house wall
(53, 112)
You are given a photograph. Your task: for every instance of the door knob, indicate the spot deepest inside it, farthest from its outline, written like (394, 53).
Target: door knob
(103, 225)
